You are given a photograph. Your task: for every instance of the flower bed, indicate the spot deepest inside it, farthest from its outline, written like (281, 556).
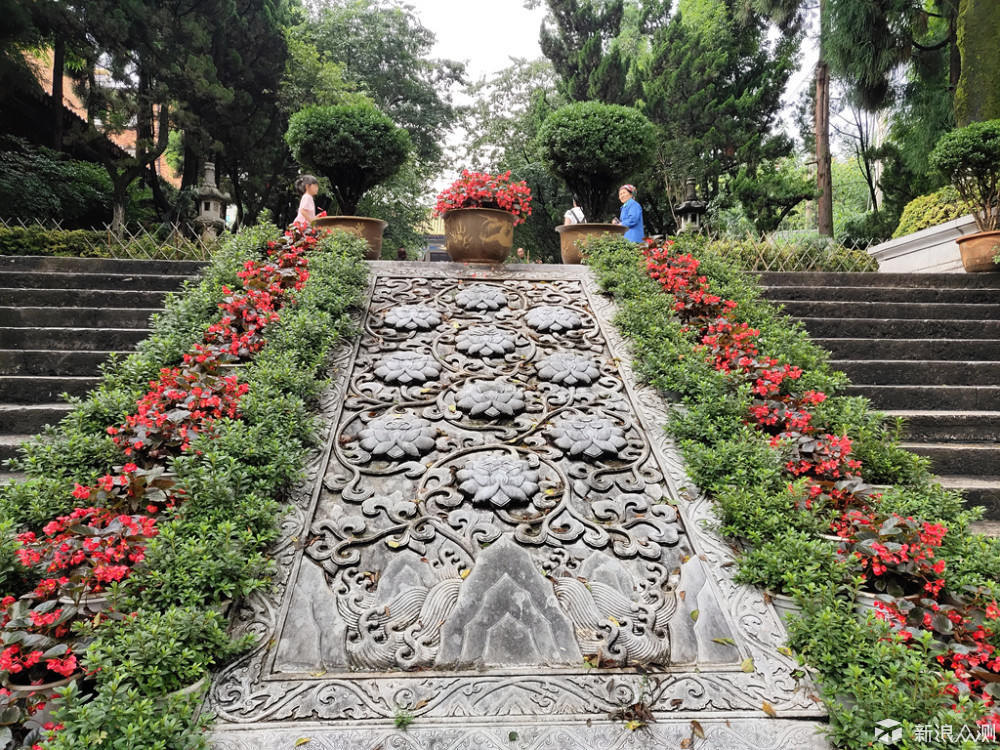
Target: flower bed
(763, 434)
(228, 439)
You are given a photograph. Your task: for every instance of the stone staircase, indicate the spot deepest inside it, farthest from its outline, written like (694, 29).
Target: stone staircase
(925, 347)
(60, 318)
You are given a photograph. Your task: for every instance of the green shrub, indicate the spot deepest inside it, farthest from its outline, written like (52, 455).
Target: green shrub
(930, 210)
(593, 146)
(969, 158)
(354, 146)
(791, 560)
(162, 652)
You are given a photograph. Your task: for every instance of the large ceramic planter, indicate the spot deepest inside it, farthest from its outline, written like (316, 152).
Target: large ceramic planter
(478, 235)
(368, 229)
(978, 250)
(569, 234)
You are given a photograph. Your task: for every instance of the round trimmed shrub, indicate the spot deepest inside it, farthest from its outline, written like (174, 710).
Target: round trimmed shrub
(593, 147)
(355, 146)
(930, 210)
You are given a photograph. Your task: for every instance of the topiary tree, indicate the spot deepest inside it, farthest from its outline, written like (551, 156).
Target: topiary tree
(593, 147)
(354, 146)
(970, 158)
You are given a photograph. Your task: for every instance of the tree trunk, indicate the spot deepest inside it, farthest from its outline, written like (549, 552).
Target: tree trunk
(824, 177)
(58, 65)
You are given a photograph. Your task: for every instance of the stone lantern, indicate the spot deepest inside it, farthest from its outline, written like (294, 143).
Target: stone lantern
(211, 205)
(691, 210)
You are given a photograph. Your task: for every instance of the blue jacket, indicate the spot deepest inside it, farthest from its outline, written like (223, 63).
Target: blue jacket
(631, 217)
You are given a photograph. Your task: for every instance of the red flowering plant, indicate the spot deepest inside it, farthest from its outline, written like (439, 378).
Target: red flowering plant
(184, 402)
(893, 554)
(85, 551)
(37, 646)
(482, 190)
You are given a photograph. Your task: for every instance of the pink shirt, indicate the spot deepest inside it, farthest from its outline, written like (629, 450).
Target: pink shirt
(307, 210)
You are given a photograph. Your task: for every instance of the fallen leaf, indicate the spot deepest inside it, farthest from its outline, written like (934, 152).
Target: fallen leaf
(747, 665)
(698, 731)
(421, 704)
(615, 621)
(785, 651)
(317, 674)
(685, 743)
(725, 641)
(465, 572)
(694, 615)
(634, 724)
(768, 709)
(302, 741)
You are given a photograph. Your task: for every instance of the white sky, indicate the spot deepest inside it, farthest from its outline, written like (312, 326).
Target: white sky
(483, 34)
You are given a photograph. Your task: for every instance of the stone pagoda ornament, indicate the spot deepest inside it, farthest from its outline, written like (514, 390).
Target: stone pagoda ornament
(212, 204)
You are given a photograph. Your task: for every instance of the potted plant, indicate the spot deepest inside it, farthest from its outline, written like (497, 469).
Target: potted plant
(593, 147)
(969, 158)
(356, 147)
(480, 212)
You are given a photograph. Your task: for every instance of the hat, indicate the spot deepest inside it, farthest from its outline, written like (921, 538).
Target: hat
(630, 188)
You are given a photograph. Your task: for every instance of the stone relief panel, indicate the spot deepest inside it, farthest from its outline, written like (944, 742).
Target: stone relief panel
(499, 527)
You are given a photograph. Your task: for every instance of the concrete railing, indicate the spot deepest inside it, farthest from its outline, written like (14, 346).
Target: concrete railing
(931, 250)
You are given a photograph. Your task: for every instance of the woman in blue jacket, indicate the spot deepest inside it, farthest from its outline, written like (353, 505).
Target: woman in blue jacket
(631, 214)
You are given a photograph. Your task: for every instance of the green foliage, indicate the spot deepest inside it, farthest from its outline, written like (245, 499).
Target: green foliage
(791, 560)
(580, 39)
(593, 147)
(384, 50)
(770, 192)
(84, 243)
(353, 145)
(120, 717)
(162, 652)
(930, 210)
(40, 184)
(969, 157)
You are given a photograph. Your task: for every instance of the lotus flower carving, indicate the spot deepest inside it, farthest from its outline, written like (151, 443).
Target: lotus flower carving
(407, 367)
(485, 341)
(552, 318)
(412, 317)
(588, 436)
(499, 481)
(481, 297)
(490, 400)
(568, 369)
(398, 436)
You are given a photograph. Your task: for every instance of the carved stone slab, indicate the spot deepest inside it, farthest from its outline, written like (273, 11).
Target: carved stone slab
(499, 542)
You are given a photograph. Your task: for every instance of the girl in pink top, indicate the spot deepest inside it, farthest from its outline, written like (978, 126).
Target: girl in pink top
(308, 186)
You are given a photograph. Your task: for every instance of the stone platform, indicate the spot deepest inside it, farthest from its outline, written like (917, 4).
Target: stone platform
(498, 548)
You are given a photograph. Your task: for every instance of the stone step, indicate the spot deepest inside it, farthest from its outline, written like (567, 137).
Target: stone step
(954, 296)
(865, 347)
(81, 298)
(891, 310)
(33, 389)
(71, 281)
(47, 263)
(981, 492)
(916, 372)
(51, 362)
(959, 459)
(28, 419)
(9, 445)
(77, 317)
(906, 280)
(942, 426)
(943, 397)
(900, 328)
(103, 339)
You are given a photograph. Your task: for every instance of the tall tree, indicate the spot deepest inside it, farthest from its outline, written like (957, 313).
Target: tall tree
(579, 38)
(715, 94)
(384, 50)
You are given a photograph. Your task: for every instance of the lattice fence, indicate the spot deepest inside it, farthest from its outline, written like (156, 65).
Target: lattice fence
(166, 242)
(792, 253)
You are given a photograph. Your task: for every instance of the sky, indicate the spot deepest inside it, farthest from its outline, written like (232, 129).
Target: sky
(485, 35)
